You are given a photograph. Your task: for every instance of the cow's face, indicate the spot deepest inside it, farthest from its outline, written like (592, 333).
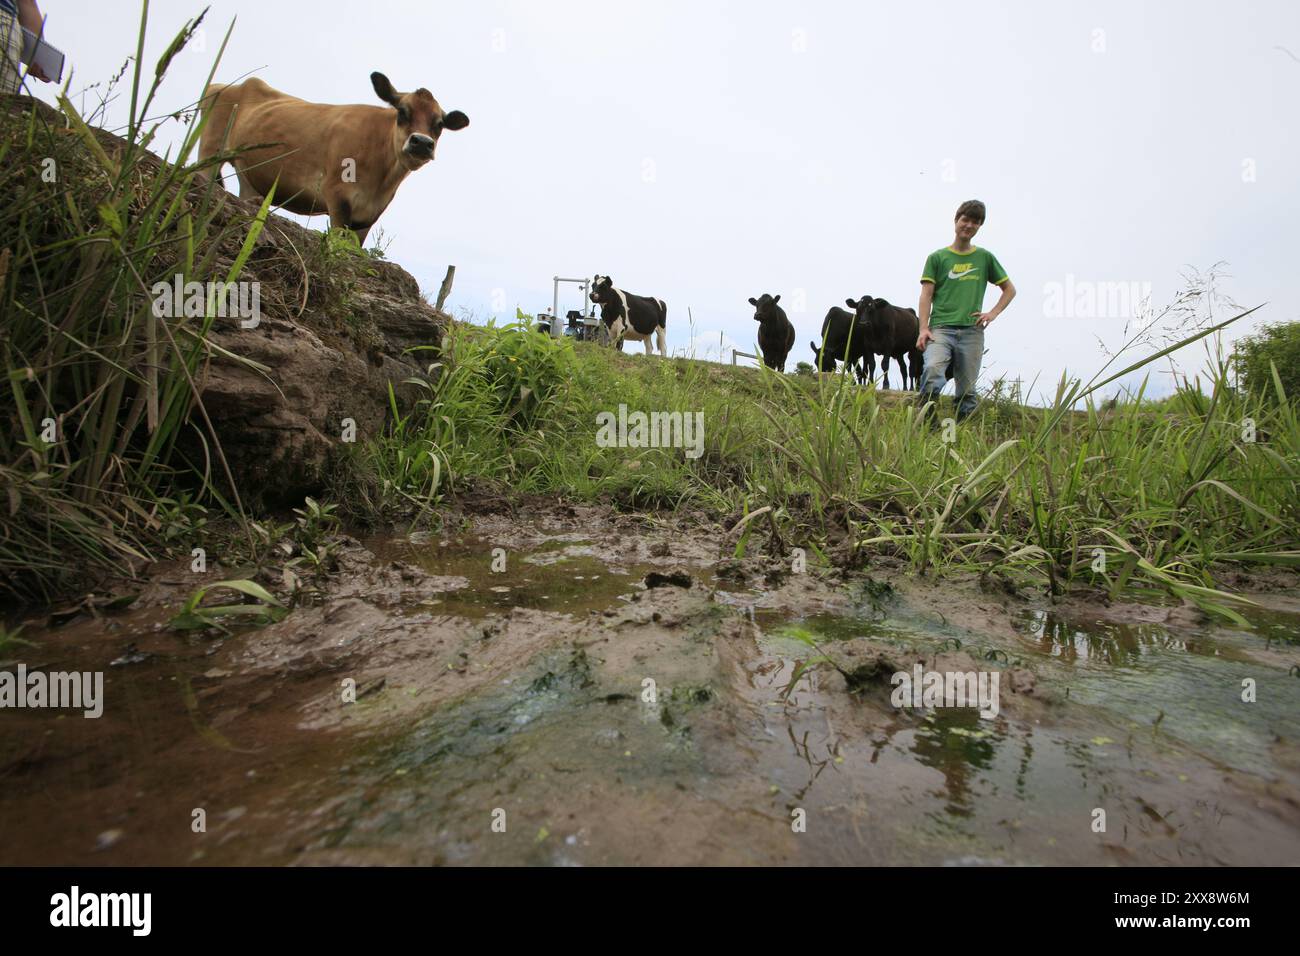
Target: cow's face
(602, 290)
(602, 293)
(764, 306)
(865, 310)
(822, 359)
(418, 122)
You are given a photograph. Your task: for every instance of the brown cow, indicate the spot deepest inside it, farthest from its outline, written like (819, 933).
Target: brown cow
(346, 161)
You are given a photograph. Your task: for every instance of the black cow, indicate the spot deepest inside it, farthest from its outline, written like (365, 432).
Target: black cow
(775, 332)
(843, 337)
(891, 332)
(629, 316)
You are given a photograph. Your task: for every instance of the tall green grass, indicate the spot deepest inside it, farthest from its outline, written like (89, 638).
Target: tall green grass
(97, 389)
(507, 409)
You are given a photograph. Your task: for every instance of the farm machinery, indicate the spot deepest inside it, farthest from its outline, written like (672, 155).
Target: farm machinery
(583, 324)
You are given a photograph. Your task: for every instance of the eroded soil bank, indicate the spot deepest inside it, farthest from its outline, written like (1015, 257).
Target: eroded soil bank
(623, 693)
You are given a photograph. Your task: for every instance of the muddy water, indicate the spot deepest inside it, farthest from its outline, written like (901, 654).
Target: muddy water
(560, 712)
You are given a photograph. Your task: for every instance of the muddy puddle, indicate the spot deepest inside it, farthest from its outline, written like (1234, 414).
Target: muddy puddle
(565, 574)
(611, 692)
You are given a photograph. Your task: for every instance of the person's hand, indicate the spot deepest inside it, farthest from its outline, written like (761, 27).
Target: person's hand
(37, 72)
(983, 318)
(925, 336)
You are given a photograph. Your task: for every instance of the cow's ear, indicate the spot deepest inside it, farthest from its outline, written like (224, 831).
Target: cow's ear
(753, 301)
(850, 303)
(383, 89)
(776, 300)
(455, 120)
(813, 346)
(879, 303)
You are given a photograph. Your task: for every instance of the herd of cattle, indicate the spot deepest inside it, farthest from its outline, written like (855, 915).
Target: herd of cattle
(872, 328)
(348, 161)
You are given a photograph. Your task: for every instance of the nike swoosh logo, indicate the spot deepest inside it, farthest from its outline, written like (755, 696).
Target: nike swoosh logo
(961, 275)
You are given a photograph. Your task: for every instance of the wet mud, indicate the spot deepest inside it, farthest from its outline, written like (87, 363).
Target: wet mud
(579, 687)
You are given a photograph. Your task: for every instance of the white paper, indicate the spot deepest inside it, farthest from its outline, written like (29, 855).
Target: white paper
(39, 53)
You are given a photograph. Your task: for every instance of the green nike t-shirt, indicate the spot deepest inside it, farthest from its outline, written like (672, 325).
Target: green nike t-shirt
(960, 279)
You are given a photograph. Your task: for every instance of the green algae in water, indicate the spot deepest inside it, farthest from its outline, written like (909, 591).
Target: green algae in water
(514, 746)
(1187, 687)
(576, 674)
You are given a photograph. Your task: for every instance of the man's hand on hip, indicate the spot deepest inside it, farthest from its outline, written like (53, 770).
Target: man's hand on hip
(982, 319)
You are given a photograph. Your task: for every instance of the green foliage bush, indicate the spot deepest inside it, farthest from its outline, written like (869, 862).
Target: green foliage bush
(1273, 346)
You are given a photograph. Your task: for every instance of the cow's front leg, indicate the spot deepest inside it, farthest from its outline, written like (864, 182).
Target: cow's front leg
(341, 217)
(340, 211)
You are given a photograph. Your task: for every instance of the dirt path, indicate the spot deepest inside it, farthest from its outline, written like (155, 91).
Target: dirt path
(561, 711)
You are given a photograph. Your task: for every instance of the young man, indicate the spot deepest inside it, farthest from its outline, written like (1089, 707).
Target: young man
(952, 310)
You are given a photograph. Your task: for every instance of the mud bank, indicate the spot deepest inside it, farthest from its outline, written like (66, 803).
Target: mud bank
(572, 686)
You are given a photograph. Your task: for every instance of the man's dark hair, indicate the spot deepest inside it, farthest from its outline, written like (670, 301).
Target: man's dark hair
(972, 209)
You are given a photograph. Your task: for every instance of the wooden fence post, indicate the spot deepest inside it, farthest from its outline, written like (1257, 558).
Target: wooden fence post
(446, 287)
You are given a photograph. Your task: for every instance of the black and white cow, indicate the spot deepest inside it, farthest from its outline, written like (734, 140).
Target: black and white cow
(844, 338)
(775, 332)
(628, 316)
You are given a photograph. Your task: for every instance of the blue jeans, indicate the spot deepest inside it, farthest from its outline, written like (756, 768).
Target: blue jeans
(963, 347)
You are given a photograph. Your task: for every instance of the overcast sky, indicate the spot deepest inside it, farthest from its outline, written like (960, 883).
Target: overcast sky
(703, 152)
